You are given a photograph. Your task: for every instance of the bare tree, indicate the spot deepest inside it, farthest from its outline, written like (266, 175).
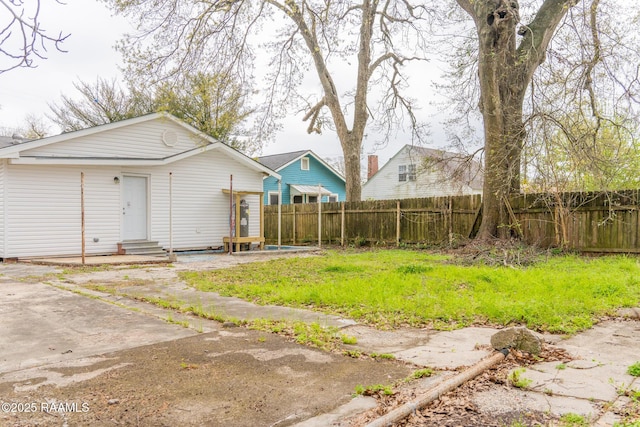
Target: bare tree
(516, 90)
(101, 102)
(365, 42)
(22, 39)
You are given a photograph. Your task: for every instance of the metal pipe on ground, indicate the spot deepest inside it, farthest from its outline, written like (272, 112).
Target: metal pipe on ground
(408, 408)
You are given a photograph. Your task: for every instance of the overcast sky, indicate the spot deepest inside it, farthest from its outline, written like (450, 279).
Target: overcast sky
(90, 55)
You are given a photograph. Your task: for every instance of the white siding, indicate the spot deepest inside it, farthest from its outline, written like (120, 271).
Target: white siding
(200, 208)
(44, 210)
(142, 140)
(385, 185)
(3, 200)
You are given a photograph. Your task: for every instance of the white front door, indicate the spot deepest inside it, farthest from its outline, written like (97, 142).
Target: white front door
(134, 208)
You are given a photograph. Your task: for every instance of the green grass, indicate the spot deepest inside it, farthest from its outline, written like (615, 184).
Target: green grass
(634, 370)
(390, 288)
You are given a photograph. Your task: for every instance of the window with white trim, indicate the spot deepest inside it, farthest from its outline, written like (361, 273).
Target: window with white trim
(274, 197)
(411, 174)
(332, 198)
(402, 173)
(312, 199)
(297, 199)
(406, 172)
(304, 163)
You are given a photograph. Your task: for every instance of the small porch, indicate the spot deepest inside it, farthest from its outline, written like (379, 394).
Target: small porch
(239, 230)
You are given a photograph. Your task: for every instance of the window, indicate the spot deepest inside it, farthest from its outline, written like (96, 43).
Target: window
(304, 163)
(407, 172)
(332, 198)
(312, 199)
(274, 198)
(402, 173)
(411, 176)
(297, 199)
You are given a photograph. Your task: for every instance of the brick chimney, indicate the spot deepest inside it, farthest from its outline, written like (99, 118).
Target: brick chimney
(372, 166)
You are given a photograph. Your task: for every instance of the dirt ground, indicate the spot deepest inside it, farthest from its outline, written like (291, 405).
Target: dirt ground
(233, 377)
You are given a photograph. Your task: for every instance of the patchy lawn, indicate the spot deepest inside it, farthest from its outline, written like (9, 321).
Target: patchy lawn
(389, 288)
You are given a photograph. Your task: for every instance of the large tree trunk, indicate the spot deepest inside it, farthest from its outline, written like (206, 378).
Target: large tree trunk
(505, 72)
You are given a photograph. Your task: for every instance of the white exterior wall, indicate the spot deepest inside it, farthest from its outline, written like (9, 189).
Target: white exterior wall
(43, 210)
(3, 200)
(200, 208)
(384, 185)
(41, 204)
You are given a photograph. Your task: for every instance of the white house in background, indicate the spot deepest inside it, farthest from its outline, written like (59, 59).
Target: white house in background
(128, 167)
(415, 172)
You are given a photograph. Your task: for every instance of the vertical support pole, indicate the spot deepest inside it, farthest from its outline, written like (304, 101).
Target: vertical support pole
(342, 225)
(82, 216)
(231, 214)
(261, 223)
(172, 257)
(279, 213)
(319, 215)
(398, 217)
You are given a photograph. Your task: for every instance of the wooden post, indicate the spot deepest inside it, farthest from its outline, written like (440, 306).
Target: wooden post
(398, 216)
(172, 256)
(230, 214)
(82, 216)
(279, 213)
(294, 224)
(342, 226)
(319, 215)
(450, 220)
(261, 222)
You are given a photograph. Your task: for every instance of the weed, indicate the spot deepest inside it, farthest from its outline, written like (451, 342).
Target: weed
(262, 339)
(517, 380)
(188, 366)
(170, 319)
(387, 356)
(312, 334)
(349, 340)
(387, 390)
(422, 373)
(574, 420)
(352, 353)
(561, 367)
(634, 370)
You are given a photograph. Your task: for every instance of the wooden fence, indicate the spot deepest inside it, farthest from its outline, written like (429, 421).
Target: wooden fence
(598, 222)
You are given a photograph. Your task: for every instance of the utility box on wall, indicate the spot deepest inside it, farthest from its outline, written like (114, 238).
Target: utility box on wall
(244, 218)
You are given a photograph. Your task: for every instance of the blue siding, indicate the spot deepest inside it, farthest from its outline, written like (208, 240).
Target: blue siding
(293, 174)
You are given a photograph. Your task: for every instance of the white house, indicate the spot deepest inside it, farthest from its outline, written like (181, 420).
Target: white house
(138, 173)
(422, 172)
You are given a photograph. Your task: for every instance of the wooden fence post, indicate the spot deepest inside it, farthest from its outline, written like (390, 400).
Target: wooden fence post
(342, 226)
(294, 224)
(398, 215)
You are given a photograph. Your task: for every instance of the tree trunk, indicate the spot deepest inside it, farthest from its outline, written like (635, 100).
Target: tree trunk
(505, 72)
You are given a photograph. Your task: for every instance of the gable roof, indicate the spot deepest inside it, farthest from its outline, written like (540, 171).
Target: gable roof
(460, 166)
(13, 151)
(277, 162)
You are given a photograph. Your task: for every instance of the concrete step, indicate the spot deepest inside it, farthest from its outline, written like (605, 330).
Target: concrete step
(140, 247)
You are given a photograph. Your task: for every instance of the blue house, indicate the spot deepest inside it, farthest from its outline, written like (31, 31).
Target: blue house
(303, 174)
